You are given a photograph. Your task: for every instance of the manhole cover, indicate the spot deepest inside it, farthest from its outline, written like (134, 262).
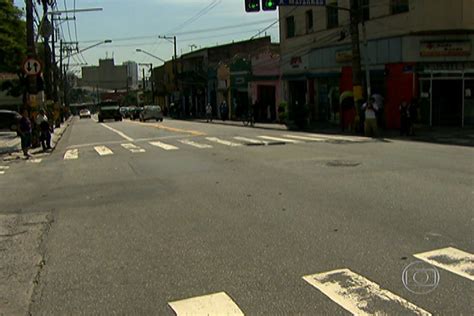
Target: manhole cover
(342, 163)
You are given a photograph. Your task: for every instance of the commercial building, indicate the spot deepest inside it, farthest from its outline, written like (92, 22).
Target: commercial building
(106, 76)
(132, 74)
(415, 49)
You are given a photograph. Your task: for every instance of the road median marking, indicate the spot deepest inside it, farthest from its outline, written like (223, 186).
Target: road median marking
(359, 295)
(117, 132)
(209, 305)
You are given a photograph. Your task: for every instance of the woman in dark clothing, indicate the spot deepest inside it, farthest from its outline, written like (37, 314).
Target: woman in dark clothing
(25, 133)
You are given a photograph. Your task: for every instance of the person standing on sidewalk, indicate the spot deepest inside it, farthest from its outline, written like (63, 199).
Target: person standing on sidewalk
(370, 123)
(209, 113)
(25, 133)
(43, 124)
(404, 119)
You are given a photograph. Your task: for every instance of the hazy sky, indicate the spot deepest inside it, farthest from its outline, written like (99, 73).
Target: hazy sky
(121, 20)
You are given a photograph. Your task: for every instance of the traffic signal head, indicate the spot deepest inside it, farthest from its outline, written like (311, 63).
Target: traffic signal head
(252, 5)
(269, 5)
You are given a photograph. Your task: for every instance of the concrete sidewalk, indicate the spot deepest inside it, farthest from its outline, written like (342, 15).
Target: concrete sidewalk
(10, 144)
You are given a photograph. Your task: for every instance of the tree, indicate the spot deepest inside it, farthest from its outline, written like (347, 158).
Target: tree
(12, 37)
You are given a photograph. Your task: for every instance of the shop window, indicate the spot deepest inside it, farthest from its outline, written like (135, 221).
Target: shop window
(332, 15)
(365, 10)
(290, 27)
(309, 21)
(399, 6)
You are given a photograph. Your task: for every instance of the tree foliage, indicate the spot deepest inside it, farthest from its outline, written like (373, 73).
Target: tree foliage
(12, 37)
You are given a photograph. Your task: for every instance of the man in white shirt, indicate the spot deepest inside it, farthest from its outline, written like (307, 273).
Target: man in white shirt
(370, 125)
(43, 124)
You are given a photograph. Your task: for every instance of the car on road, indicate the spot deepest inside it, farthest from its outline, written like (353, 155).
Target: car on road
(109, 110)
(135, 112)
(9, 120)
(124, 111)
(151, 112)
(85, 113)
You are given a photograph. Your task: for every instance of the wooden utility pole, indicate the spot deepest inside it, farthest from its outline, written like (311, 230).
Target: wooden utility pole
(356, 64)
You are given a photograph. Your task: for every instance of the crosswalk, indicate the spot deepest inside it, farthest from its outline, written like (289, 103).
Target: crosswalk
(212, 142)
(354, 292)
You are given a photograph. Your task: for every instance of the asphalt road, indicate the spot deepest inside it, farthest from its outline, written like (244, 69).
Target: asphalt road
(147, 215)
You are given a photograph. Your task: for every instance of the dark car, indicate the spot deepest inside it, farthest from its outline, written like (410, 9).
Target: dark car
(9, 120)
(135, 113)
(109, 110)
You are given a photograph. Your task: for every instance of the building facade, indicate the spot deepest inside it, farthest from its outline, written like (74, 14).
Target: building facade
(106, 76)
(419, 49)
(132, 74)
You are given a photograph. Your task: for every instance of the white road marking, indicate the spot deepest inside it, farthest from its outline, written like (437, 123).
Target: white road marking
(451, 259)
(117, 132)
(37, 160)
(208, 305)
(2, 171)
(71, 154)
(307, 138)
(251, 140)
(223, 142)
(194, 144)
(164, 146)
(286, 140)
(4, 167)
(103, 151)
(133, 148)
(359, 295)
(340, 137)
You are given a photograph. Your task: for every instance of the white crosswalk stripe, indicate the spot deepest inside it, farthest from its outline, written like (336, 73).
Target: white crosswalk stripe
(223, 142)
(359, 295)
(133, 148)
(164, 146)
(450, 259)
(35, 160)
(279, 139)
(3, 169)
(346, 138)
(213, 304)
(71, 154)
(306, 138)
(251, 140)
(194, 144)
(103, 151)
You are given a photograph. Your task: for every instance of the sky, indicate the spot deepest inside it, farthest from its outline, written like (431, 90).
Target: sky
(132, 24)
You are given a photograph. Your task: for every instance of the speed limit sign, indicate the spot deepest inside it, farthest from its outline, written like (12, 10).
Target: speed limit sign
(32, 66)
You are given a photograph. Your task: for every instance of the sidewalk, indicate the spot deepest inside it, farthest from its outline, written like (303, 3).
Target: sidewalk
(10, 144)
(441, 135)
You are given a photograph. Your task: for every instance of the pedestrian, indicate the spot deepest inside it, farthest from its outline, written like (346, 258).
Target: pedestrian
(45, 130)
(224, 110)
(404, 118)
(25, 133)
(413, 118)
(370, 120)
(209, 113)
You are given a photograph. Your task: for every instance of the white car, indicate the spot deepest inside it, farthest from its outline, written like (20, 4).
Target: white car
(151, 112)
(85, 113)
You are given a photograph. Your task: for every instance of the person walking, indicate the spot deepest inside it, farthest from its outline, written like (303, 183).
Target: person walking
(370, 121)
(45, 130)
(24, 130)
(404, 118)
(209, 113)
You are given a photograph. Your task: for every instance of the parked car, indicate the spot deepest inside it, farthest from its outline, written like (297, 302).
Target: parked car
(9, 120)
(151, 112)
(135, 112)
(109, 110)
(85, 113)
(123, 111)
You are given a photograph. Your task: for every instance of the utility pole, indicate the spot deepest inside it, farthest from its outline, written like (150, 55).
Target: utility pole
(144, 83)
(47, 54)
(175, 59)
(356, 64)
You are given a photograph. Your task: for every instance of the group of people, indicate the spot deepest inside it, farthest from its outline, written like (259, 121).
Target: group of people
(25, 129)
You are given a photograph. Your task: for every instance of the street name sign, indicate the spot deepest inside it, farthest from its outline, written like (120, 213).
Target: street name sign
(32, 66)
(301, 2)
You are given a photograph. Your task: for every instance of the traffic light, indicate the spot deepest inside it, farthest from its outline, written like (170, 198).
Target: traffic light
(252, 5)
(269, 5)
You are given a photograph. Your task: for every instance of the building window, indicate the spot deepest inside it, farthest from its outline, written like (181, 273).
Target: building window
(290, 27)
(365, 9)
(309, 21)
(399, 6)
(332, 15)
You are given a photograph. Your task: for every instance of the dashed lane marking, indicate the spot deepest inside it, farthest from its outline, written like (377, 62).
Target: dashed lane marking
(214, 304)
(194, 144)
(163, 146)
(71, 154)
(278, 139)
(103, 151)
(133, 148)
(361, 296)
(223, 142)
(451, 259)
(117, 132)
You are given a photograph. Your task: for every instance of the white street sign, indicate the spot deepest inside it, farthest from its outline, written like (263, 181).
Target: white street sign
(31, 66)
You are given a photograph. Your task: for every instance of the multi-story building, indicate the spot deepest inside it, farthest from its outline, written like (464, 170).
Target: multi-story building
(132, 74)
(415, 49)
(106, 76)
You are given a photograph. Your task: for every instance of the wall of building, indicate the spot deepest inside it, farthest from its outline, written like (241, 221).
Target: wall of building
(105, 76)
